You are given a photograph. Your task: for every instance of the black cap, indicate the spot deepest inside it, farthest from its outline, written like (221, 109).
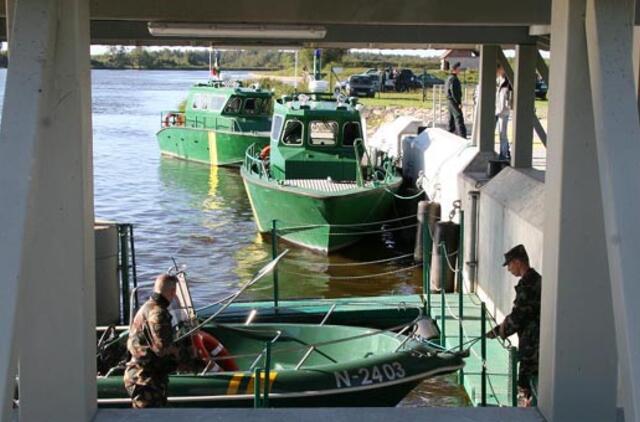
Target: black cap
(457, 65)
(517, 252)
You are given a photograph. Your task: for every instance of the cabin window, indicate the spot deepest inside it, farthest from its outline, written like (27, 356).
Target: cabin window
(292, 134)
(276, 126)
(233, 106)
(216, 102)
(350, 133)
(206, 102)
(200, 102)
(323, 133)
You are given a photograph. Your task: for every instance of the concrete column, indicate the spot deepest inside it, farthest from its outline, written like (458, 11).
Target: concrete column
(636, 62)
(609, 37)
(46, 230)
(577, 377)
(523, 106)
(487, 102)
(10, 6)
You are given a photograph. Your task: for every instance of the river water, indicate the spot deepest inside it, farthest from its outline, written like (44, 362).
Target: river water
(201, 216)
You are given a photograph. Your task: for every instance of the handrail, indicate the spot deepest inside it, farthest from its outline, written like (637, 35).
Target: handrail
(259, 275)
(254, 164)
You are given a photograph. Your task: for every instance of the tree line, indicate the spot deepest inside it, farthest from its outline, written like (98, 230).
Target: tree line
(119, 57)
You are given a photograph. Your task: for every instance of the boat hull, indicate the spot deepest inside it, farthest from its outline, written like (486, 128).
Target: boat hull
(295, 210)
(207, 146)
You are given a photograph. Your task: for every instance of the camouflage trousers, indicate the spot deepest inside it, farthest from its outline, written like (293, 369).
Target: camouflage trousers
(528, 371)
(145, 391)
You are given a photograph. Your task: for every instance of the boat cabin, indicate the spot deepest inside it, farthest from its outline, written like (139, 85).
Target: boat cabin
(220, 107)
(315, 137)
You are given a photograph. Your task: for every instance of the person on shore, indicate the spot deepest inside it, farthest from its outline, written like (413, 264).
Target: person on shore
(504, 93)
(454, 101)
(153, 352)
(524, 319)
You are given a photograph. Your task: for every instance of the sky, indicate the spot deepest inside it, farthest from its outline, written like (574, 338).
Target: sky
(101, 49)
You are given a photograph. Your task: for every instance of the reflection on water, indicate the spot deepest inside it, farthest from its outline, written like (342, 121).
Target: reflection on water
(223, 248)
(202, 217)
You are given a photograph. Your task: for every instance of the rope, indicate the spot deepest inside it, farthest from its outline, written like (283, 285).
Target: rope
(417, 195)
(373, 223)
(353, 277)
(351, 264)
(393, 229)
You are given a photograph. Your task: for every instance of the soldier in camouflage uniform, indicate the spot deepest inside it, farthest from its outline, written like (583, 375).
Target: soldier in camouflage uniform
(524, 318)
(153, 352)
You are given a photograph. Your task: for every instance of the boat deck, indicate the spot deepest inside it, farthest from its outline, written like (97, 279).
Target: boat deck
(498, 384)
(323, 185)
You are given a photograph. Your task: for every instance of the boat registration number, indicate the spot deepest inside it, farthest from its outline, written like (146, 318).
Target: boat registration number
(370, 375)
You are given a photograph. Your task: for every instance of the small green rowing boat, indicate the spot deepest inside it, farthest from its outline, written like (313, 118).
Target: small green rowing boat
(312, 180)
(218, 125)
(311, 365)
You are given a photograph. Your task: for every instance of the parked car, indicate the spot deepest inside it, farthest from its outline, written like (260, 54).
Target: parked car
(407, 80)
(428, 80)
(541, 89)
(360, 86)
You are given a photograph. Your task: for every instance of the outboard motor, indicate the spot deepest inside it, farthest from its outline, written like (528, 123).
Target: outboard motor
(427, 329)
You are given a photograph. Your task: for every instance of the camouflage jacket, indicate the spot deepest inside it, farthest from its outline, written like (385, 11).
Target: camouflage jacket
(151, 338)
(524, 318)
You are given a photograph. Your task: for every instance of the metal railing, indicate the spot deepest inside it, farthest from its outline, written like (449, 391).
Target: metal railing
(463, 339)
(127, 273)
(254, 164)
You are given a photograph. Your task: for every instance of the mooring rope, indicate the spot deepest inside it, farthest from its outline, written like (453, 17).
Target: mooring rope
(349, 264)
(353, 277)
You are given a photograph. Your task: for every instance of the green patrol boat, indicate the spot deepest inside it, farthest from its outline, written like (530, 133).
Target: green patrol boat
(219, 122)
(313, 180)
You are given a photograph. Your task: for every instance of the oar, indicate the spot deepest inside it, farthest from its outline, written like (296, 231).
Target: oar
(259, 275)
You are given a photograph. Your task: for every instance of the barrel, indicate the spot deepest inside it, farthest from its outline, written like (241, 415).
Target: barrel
(107, 284)
(430, 211)
(449, 233)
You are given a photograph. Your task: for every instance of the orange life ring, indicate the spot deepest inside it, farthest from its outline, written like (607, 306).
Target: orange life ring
(180, 119)
(265, 152)
(208, 347)
(169, 120)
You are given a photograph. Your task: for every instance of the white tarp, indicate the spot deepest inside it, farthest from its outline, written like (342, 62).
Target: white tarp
(445, 156)
(388, 138)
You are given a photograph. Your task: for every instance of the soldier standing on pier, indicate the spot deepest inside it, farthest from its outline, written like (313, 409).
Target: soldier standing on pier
(453, 90)
(524, 318)
(153, 352)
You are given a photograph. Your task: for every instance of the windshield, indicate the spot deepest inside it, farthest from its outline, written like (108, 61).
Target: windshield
(233, 105)
(350, 133)
(292, 134)
(255, 106)
(323, 133)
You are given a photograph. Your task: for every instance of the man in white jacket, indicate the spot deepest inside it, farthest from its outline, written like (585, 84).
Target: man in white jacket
(503, 109)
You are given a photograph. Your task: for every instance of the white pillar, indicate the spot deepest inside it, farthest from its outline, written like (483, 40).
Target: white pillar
(609, 27)
(577, 357)
(486, 120)
(46, 230)
(523, 105)
(636, 61)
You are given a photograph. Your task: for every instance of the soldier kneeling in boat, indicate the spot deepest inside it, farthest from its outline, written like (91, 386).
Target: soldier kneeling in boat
(154, 355)
(524, 319)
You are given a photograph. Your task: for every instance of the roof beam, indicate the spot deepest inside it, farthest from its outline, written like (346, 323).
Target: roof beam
(348, 36)
(371, 12)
